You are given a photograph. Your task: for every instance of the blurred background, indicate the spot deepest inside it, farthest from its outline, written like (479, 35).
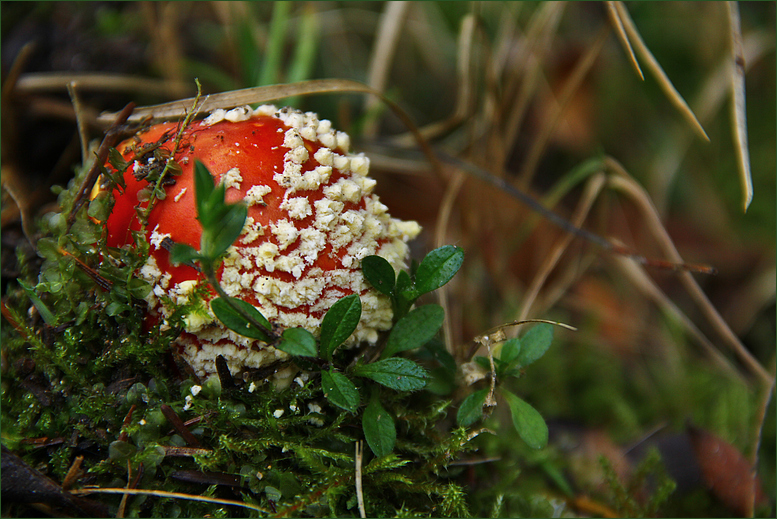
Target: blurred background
(544, 97)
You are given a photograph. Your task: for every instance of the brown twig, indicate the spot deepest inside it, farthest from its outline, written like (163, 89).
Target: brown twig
(178, 425)
(116, 133)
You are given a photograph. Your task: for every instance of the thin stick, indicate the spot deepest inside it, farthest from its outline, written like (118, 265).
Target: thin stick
(359, 490)
(738, 111)
(112, 138)
(615, 19)
(164, 493)
(389, 30)
(655, 68)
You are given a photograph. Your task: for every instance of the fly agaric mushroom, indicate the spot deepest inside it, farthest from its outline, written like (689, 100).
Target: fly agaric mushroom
(311, 219)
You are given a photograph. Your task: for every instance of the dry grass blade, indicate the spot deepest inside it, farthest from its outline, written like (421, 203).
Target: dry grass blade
(615, 19)
(526, 72)
(80, 122)
(163, 493)
(266, 94)
(386, 41)
(624, 183)
(592, 189)
(655, 68)
(639, 278)
(359, 491)
(550, 123)
(706, 104)
(100, 82)
(465, 84)
(766, 397)
(738, 111)
(441, 235)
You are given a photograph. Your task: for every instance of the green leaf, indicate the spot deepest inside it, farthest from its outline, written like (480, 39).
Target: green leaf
(139, 288)
(436, 349)
(236, 321)
(339, 323)
(182, 253)
(528, 422)
(414, 330)
(223, 233)
(535, 343)
(396, 373)
(471, 409)
(203, 188)
(379, 273)
(438, 267)
(379, 429)
(405, 294)
(405, 287)
(340, 391)
(510, 350)
(298, 341)
(48, 317)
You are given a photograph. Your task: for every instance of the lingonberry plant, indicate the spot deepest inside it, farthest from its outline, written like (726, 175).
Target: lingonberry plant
(261, 413)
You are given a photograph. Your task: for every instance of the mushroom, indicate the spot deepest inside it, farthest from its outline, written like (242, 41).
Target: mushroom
(312, 217)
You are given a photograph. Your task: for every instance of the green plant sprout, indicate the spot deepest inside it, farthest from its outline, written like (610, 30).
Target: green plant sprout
(514, 356)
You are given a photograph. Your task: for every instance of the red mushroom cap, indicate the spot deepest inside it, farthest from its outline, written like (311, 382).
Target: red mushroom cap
(311, 219)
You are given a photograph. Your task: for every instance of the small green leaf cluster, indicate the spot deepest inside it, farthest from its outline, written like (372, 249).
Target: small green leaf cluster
(514, 355)
(221, 226)
(434, 271)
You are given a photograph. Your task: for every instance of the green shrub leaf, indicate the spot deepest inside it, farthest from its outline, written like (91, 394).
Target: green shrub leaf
(471, 409)
(222, 234)
(237, 322)
(528, 422)
(379, 273)
(510, 350)
(340, 391)
(298, 341)
(379, 429)
(535, 343)
(438, 267)
(203, 189)
(339, 323)
(414, 330)
(396, 373)
(182, 253)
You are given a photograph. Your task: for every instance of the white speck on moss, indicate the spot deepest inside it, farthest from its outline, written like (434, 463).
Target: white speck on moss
(278, 413)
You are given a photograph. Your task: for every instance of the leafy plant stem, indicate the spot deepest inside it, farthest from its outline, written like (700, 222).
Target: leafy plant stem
(189, 116)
